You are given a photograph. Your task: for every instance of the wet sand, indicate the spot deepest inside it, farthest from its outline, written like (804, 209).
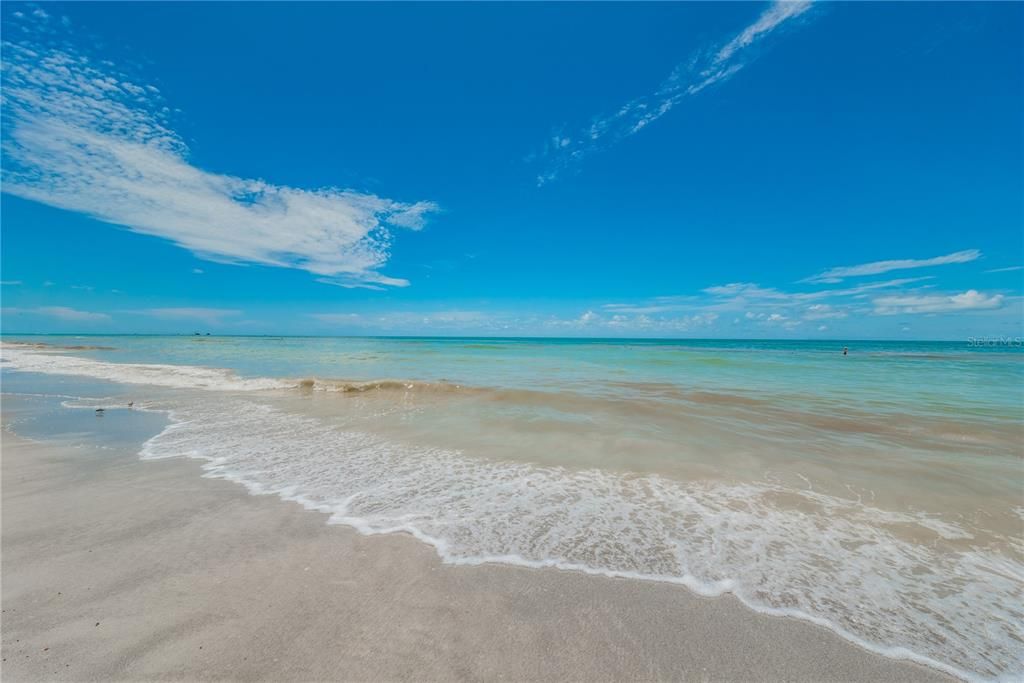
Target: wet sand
(119, 569)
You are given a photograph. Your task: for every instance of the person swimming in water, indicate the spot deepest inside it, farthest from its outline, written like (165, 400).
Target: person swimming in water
(844, 350)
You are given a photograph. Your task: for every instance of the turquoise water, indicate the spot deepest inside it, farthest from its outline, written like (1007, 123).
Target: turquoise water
(880, 493)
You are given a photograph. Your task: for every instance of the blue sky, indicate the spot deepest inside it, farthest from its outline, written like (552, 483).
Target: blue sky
(666, 169)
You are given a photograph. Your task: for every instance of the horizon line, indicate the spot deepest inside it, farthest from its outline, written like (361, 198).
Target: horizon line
(965, 339)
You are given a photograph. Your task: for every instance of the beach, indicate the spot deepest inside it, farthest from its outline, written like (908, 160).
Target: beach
(120, 569)
(439, 507)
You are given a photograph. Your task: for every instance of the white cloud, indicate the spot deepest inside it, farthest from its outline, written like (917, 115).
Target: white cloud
(211, 316)
(60, 312)
(822, 312)
(833, 275)
(971, 300)
(620, 323)
(401, 320)
(768, 309)
(765, 317)
(337, 318)
(1008, 269)
(659, 304)
(775, 15)
(745, 292)
(65, 313)
(771, 319)
(643, 309)
(860, 290)
(516, 322)
(751, 303)
(10, 283)
(83, 137)
(708, 68)
(197, 271)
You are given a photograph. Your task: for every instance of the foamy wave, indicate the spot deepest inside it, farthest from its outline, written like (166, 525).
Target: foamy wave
(832, 561)
(343, 386)
(171, 376)
(49, 360)
(109, 404)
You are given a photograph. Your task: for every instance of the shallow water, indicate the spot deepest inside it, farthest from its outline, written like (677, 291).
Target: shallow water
(880, 493)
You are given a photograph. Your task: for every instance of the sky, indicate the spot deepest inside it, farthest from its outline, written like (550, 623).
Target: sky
(732, 170)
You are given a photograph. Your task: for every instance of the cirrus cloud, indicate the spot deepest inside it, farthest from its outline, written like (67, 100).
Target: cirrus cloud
(833, 275)
(707, 68)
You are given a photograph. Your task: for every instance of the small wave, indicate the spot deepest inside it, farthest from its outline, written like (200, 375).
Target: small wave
(57, 347)
(170, 376)
(108, 404)
(342, 386)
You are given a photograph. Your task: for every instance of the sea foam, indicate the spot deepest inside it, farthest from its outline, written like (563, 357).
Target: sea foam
(169, 376)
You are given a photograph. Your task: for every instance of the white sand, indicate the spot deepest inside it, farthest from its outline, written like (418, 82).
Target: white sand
(114, 568)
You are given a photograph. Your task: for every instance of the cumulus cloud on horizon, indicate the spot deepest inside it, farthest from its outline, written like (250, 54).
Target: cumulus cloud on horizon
(82, 136)
(971, 300)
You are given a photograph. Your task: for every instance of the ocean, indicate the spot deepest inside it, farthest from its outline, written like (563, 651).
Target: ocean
(879, 493)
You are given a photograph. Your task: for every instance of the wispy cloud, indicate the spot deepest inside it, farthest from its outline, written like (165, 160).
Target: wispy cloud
(83, 136)
(737, 295)
(620, 323)
(766, 306)
(586, 323)
(211, 316)
(398, 320)
(747, 291)
(767, 317)
(60, 312)
(709, 67)
(1008, 269)
(10, 283)
(65, 313)
(971, 300)
(822, 312)
(833, 275)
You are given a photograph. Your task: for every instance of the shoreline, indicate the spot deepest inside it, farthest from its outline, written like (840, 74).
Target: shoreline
(195, 578)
